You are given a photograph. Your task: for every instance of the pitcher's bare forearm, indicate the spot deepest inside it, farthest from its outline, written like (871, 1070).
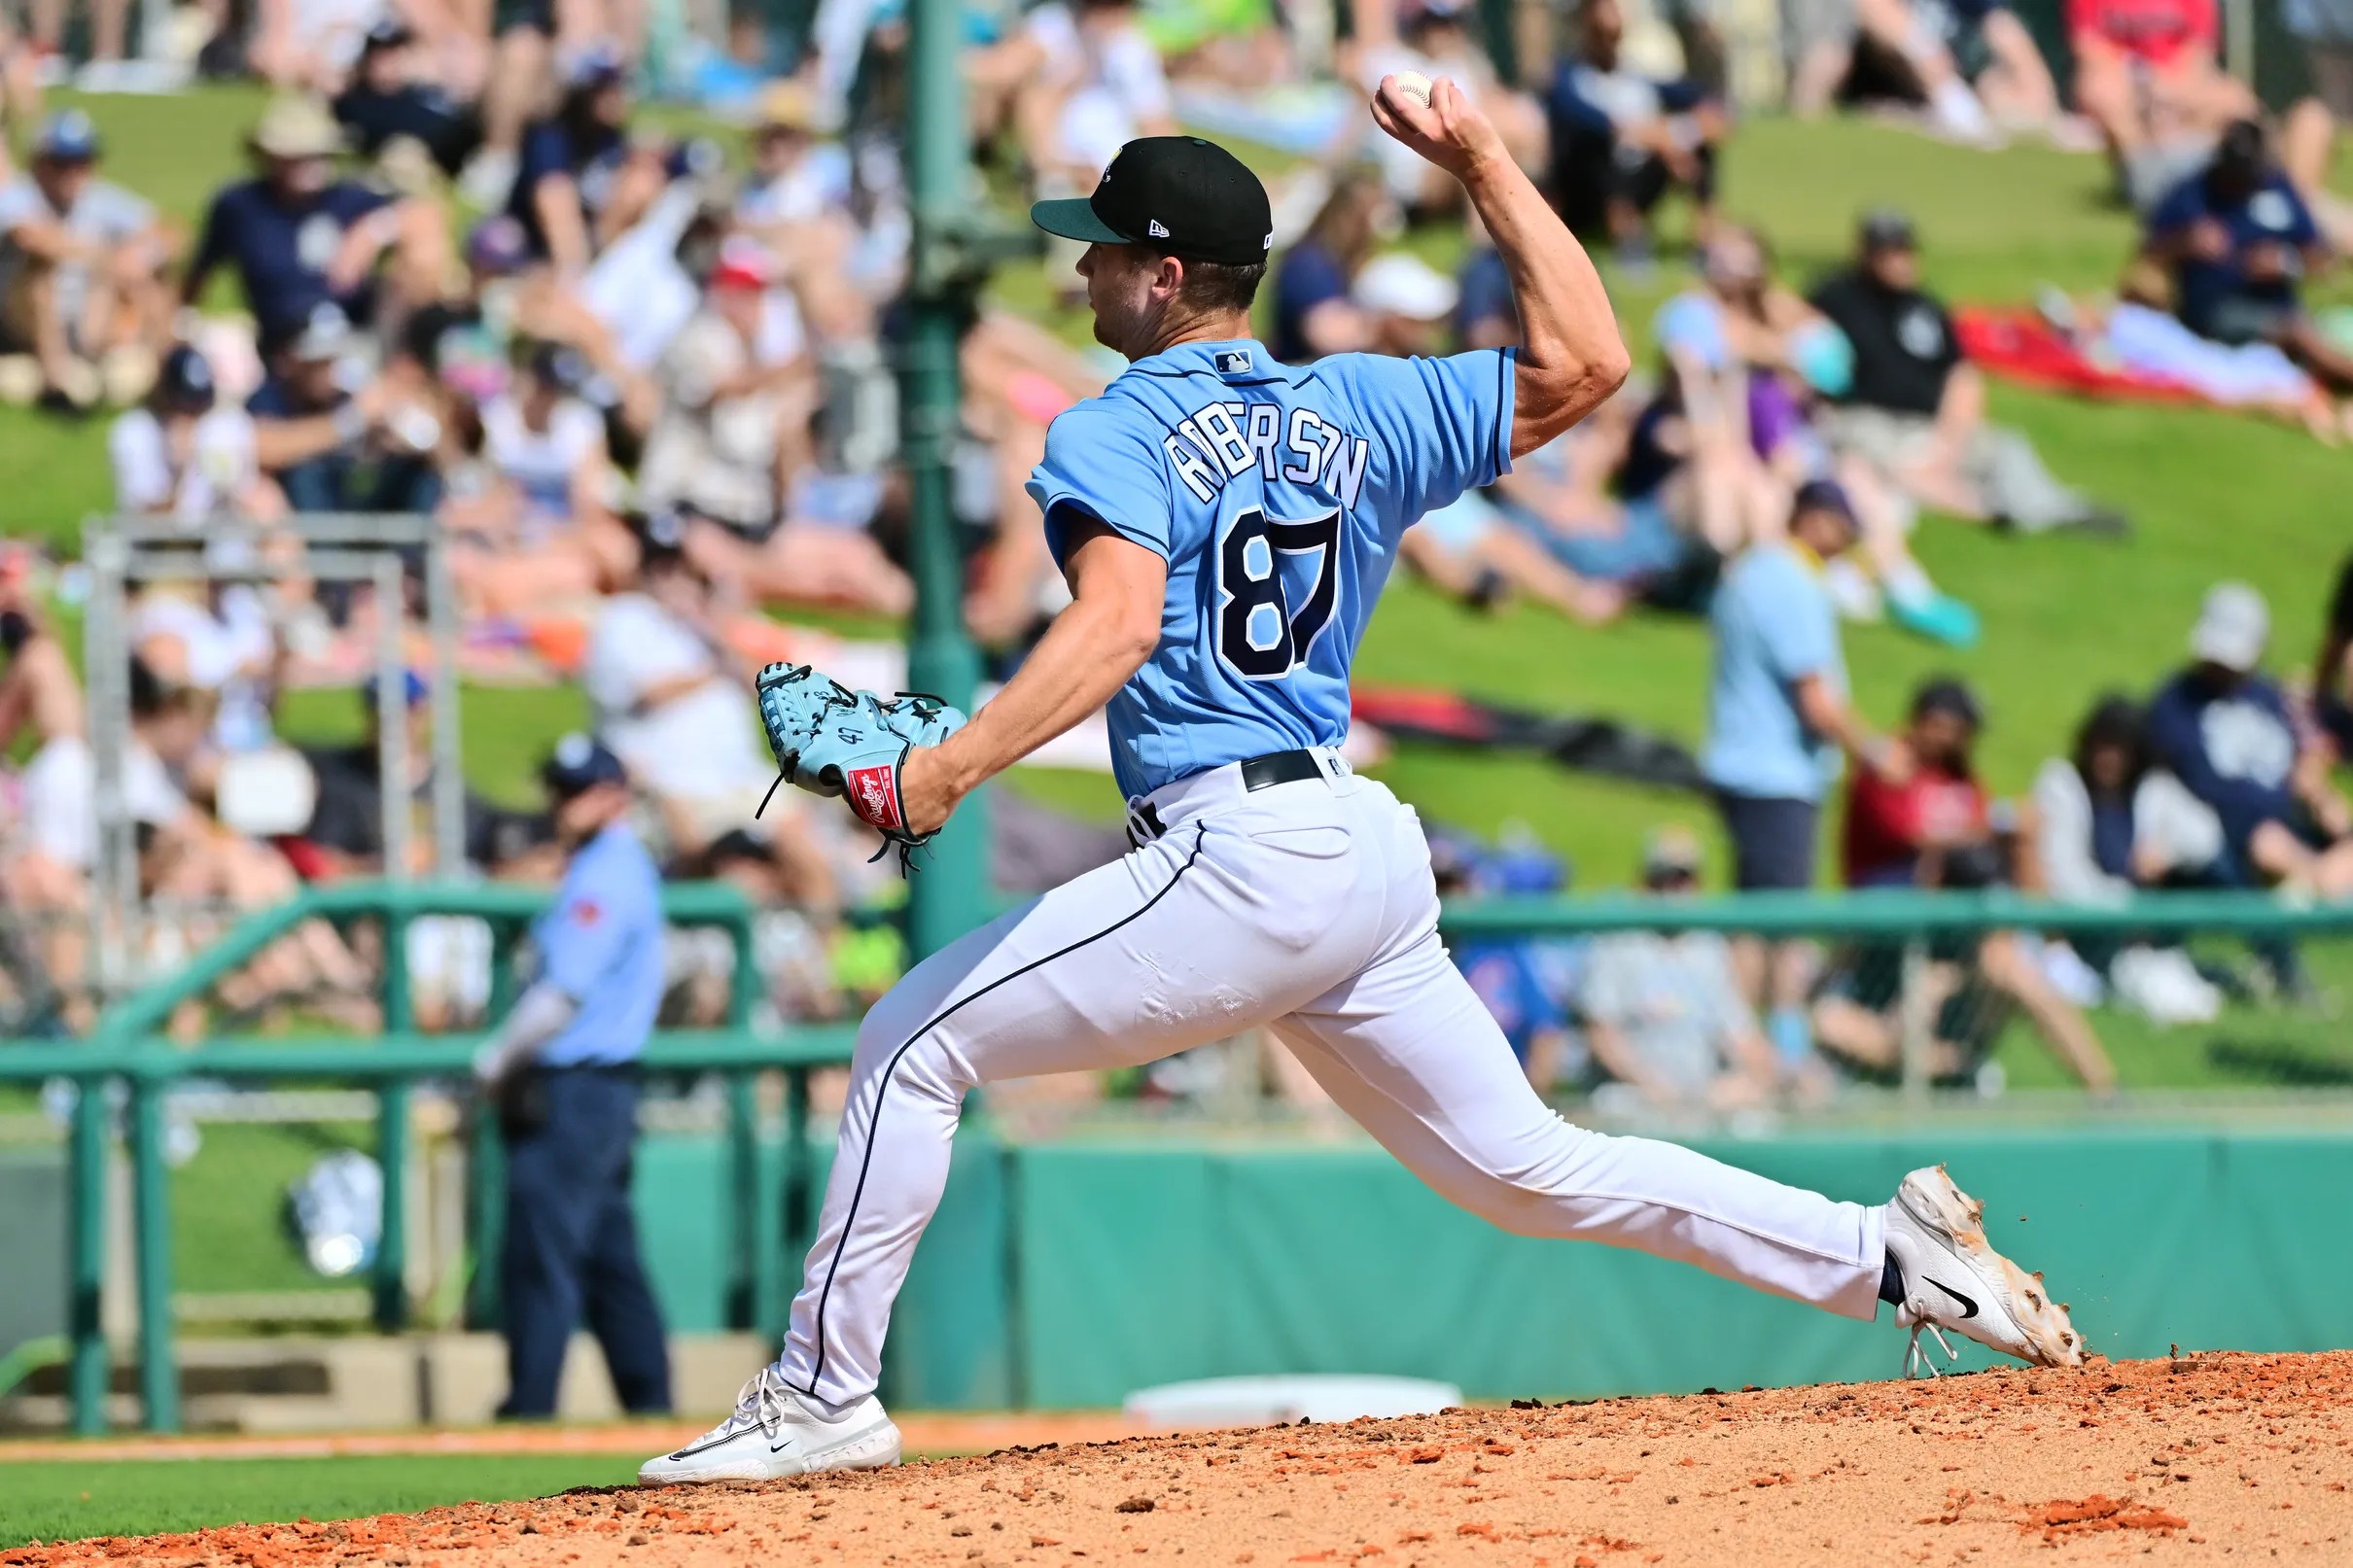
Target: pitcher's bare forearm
(1571, 353)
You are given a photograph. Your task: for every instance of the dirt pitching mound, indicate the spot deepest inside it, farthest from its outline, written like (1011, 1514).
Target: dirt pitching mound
(2204, 1458)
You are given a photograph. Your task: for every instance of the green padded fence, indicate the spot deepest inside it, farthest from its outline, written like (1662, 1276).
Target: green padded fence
(1137, 1264)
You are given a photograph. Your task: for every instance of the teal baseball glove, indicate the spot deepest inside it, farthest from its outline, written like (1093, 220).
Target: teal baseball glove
(835, 742)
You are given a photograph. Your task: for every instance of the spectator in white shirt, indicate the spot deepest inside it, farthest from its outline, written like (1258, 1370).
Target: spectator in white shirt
(81, 272)
(543, 534)
(669, 697)
(1663, 1012)
(185, 454)
(1102, 85)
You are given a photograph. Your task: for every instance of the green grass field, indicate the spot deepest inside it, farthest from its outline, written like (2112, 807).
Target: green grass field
(67, 1500)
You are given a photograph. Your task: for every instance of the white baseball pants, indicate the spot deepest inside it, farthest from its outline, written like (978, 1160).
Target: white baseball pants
(1308, 908)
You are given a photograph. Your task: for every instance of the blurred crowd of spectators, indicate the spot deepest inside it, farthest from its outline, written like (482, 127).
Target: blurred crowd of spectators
(644, 381)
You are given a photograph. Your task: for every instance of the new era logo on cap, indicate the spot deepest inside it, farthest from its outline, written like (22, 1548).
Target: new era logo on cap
(1155, 229)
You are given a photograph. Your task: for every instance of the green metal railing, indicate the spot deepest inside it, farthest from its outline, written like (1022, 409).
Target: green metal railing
(126, 1048)
(1898, 914)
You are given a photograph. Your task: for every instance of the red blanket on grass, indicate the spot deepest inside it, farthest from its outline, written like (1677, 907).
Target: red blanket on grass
(2019, 345)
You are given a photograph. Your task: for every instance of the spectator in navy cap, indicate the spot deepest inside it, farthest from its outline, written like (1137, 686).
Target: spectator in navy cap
(185, 454)
(83, 304)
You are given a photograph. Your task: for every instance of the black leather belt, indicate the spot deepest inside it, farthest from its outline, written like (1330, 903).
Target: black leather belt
(1258, 773)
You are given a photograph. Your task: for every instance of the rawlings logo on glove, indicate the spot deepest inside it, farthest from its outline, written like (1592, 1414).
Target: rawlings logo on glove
(832, 741)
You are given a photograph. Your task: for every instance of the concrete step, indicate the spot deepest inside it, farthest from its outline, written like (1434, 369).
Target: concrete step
(341, 1383)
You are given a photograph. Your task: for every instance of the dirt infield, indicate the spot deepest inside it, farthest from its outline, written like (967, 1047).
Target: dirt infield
(2204, 1458)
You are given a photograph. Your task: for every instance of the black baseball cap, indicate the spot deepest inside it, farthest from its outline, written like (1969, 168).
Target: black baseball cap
(579, 762)
(1179, 196)
(1825, 495)
(1888, 229)
(1950, 695)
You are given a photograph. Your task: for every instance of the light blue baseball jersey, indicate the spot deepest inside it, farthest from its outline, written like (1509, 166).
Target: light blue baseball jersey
(602, 946)
(1276, 493)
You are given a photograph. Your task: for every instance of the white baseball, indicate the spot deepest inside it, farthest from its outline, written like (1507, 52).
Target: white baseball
(1413, 84)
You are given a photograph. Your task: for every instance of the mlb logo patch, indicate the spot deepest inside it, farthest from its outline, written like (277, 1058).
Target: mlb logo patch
(874, 797)
(1233, 361)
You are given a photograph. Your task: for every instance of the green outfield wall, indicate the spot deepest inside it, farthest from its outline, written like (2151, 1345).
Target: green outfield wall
(1066, 1274)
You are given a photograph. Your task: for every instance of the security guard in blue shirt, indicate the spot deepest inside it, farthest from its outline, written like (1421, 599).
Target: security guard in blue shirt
(562, 1070)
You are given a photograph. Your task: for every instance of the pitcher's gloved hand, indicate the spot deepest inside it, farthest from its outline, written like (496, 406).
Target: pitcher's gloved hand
(832, 741)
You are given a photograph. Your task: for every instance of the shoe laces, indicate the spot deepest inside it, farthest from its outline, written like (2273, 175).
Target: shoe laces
(1919, 1362)
(762, 1404)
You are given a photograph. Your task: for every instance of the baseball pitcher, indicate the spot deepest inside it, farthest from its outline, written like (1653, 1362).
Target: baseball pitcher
(1226, 524)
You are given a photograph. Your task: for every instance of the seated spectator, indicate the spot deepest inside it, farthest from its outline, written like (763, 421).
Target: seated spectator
(307, 46)
(1526, 983)
(1470, 551)
(1663, 1014)
(1916, 409)
(1622, 140)
(2148, 74)
(1312, 312)
(580, 182)
(393, 96)
(187, 859)
(345, 837)
(1405, 304)
(185, 455)
(2226, 730)
(1097, 85)
(463, 344)
(1918, 817)
(795, 177)
(214, 636)
(331, 448)
(1971, 64)
(80, 276)
(542, 532)
(793, 956)
(2239, 240)
(2105, 823)
(298, 237)
(1614, 549)
(1434, 37)
(46, 854)
(2137, 333)
(1750, 364)
(669, 692)
(734, 432)
(1882, 50)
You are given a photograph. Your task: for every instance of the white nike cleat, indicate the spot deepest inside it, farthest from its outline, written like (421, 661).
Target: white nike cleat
(1955, 1280)
(775, 1432)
